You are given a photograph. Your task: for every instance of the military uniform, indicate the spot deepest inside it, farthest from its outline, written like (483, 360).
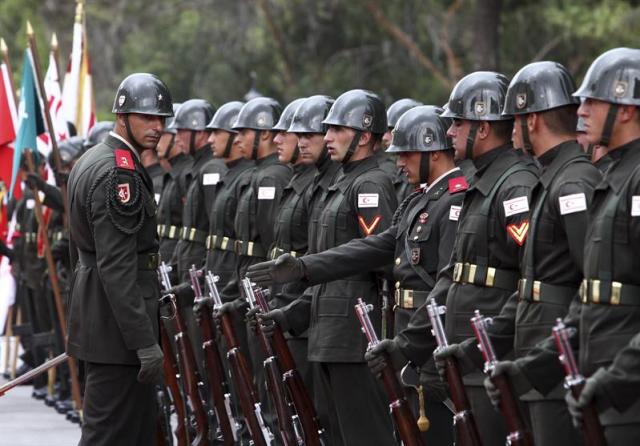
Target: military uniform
(113, 305)
(156, 172)
(482, 273)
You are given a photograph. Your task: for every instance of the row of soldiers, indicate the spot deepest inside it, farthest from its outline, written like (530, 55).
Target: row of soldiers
(493, 210)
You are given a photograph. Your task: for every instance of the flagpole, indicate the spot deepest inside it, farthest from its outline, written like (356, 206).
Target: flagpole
(5, 58)
(47, 115)
(56, 55)
(55, 285)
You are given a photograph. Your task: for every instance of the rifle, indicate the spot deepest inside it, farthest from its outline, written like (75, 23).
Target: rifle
(518, 434)
(164, 437)
(388, 317)
(591, 428)
(463, 419)
(273, 376)
(243, 377)
(398, 406)
(305, 411)
(33, 373)
(213, 364)
(187, 364)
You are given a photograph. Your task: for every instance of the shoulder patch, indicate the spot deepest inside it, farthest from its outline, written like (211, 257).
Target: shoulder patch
(516, 206)
(124, 159)
(635, 205)
(368, 200)
(573, 203)
(458, 184)
(454, 212)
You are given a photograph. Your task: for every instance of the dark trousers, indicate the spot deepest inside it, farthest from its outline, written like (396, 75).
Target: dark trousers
(118, 410)
(551, 424)
(493, 430)
(352, 406)
(440, 419)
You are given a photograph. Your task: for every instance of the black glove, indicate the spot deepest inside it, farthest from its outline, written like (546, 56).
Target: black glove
(519, 383)
(590, 391)
(434, 389)
(251, 319)
(35, 180)
(376, 357)
(233, 308)
(440, 356)
(284, 269)
(151, 368)
(271, 319)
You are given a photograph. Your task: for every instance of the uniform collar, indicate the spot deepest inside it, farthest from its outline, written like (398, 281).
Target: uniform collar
(302, 177)
(440, 178)
(491, 165)
(556, 158)
(126, 143)
(625, 160)
(267, 160)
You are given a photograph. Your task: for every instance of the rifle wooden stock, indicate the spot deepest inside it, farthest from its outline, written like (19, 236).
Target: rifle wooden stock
(171, 373)
(592, 431)
(215, 373)
(518, 433)
(42, 368)
(243, 378)
(463, 420)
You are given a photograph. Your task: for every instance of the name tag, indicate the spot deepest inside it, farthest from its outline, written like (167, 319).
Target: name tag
(454, 213)
(635, 205)
(368, 200)
(573, 203)
(266, 193)
(209, 179)
(516, 206)
(157, 197)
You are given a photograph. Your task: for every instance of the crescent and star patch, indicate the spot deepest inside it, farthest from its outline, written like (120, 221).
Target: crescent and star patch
(124, 193)
(518, 232)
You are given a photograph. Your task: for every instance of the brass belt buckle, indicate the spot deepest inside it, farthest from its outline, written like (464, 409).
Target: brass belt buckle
(396, 295)
(616, 293)
(192, 234)
(457, 272)
(407, 298)
(535, 292)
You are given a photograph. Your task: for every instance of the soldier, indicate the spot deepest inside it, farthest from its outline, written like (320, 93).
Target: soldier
(113, 306)
(166, 147)
(606, 317)
(418, 243)
(596, 152)
(492, 227)
(359, 203)
(539, 97)
(151, 163)
(174, 191)
(97, 134)
(395, 110)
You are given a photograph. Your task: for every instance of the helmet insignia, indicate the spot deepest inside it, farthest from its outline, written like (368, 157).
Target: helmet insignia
(367, 120)
(521, 100)
(620, 88)
(121, 100)
(480, 108)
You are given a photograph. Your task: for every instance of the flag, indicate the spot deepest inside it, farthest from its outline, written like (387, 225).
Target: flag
(54, 103)
(8, 124)
(77, 92)
(30, 122)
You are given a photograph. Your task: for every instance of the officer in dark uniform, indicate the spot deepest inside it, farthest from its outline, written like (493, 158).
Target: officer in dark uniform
(418, 243)
(174, 193)
(395, 110)
(221, 257)
(359, 203)
(483, 271)
(97, 134)
(606, 317)
(540, 98)
(113, 306)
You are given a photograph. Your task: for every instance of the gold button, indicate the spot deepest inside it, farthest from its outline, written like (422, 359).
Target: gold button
(398, 285)
(419, 229)
(398, 261)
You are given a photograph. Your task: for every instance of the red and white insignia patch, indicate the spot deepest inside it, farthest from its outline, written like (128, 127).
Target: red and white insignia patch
(518, 232)
(458, 184)
(369, 228)
(124, 159)
(124, 193)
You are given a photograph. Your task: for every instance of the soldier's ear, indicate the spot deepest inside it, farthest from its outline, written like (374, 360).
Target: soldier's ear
(533, 121)
(628, 113)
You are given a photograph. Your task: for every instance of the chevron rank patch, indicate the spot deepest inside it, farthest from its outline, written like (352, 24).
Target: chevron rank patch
(518, 232)
(366, 227)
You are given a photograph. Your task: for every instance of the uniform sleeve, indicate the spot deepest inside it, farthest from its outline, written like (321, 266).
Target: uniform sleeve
(269, 190)
(117, 212)
(298, 313)
(621, 379)
(357, 256)
(374, 204)
(512, 209)
(53, 198)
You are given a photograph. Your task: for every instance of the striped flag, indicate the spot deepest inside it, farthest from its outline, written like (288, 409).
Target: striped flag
(8, 122)
(54, 103)
(77, 92)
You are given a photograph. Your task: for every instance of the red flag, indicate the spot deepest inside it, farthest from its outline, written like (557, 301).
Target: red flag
(8, 128)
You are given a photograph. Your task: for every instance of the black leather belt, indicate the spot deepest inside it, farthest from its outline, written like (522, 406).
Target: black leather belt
(145, 261)
(251, 249)
(485, 276)
(276, 252)
(410, 299)
(612, 293)
(221, 243)
(193, 235)
(536, 291)
(168, 231)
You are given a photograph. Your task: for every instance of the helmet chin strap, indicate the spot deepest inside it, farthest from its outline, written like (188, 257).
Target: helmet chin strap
(172, 142)
(607, 129)
(471, 140)
(134, 142)
(352, 147)
(192, 143)
(423, 174)
(324, 155)
(256, 143)
(526, 141)
(295, 155)
(227, 149)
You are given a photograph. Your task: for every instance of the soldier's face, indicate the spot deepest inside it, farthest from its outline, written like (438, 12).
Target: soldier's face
(594, 115)
(146, 129)
(338, 140)
(286, 144)
(409, 162)
(218, 140)
(311, 147)
(164, 145)
(386, 139)
(516, 133)
(458, 133)
(245, 139)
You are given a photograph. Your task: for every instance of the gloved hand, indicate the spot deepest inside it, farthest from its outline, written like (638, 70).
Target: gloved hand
(271, 319)
(233, 308)
(434, 389)
(61, 178)
(151, 369)
(377, 356)
(251, 318)
(35, 180)
(590, 391)
(519, 383)
(284, 269)
(441, 354)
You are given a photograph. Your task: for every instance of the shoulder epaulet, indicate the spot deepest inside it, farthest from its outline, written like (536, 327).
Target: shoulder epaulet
(458, 184)
(124, 160)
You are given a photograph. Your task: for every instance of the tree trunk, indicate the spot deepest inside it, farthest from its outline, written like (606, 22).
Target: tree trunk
(486, 26)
